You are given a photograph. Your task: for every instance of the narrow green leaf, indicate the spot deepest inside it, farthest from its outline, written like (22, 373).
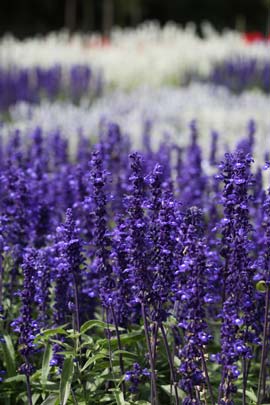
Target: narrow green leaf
(50, 400)
(35, 397)
(44, 335)
(46, 364)
(119, 397)
(141, 402)
(62, 344)
(93, 360)
(21, 398)
(66, 378)
(97, 324)
(250, 394)
(9, 356)
(167, 389)
(15, 379)
(107, 398)
(127, 338)
(125, 353)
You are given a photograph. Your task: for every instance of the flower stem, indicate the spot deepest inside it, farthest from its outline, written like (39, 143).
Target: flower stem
(1, 282)
(221, 385)
(29, 393)
(154, 398)
(170, 360)
(121, 363)
(74, 397)
(108, 333)
(209, 386)
(76, 299)
(154, 345)
(264, 345)
(244, 398)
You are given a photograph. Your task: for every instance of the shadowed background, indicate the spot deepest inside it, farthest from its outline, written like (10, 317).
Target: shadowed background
(24, 18)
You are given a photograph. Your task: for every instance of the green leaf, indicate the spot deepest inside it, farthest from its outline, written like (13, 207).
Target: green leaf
(250, 394)
(50, 400)
(107, 398)
(97, 324)
(15, 379)
(119, 397)
(66, 378)
(127, 338)
(35, 397)
(21, 398)
(125, 353)
(73, 334)
(44, 335)
(120, 381)
(93, 360)
(46, 364)
(261, 286)
(9, 356)
(66, 346)
(170, 391)
(141, 402)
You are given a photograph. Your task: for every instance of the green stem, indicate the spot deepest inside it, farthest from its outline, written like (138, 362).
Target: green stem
(154, 397)
(170, 360)
(244, 397)
(76, 299)
(264, 344)
(74, 397)
(28, 388)
(207, 378)
(108, 332)
(121, 363)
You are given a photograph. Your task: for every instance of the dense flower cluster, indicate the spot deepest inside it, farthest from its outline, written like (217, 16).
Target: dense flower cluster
(143, 240)
(134, 239)
(25, 325)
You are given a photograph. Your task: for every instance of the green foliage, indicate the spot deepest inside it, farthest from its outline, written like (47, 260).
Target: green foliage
(9, 356)
(91, 372)
(66, 379)
(46, 364)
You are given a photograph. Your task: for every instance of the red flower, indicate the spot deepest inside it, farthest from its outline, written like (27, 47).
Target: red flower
(255, 36)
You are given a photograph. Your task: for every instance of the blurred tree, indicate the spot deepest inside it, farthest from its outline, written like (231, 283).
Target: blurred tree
(107, 16)
(70, 14)
(129, 12)
(240, 23)
(28, 17)
(266, 3)
(88, 15)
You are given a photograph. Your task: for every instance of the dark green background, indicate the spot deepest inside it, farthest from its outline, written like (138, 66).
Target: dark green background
(27, 17)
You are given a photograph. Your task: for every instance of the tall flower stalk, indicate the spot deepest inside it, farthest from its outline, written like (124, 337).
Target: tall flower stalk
(264, 276)
(25, 324)
(70, 250)
(191, 314)
(138, 256)
(103, 246)
(239, 325)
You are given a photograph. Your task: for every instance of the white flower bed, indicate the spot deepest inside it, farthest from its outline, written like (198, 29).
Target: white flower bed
(170, 110)
(148, 55)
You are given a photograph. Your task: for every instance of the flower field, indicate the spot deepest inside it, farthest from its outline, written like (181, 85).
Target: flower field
(135, 219)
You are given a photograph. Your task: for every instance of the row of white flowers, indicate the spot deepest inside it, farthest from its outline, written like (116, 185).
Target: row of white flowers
(169, 110)
(146, 55)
